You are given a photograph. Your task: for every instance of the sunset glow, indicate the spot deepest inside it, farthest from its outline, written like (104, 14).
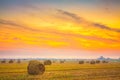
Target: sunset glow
(59, 28)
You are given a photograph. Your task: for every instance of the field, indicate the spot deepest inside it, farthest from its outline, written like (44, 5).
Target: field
(64, 71)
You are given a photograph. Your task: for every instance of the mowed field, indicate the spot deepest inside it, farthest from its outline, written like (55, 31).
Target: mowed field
(62, 71)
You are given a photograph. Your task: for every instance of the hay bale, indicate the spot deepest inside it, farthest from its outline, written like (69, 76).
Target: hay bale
(104, 61)
(81, 62)
(53, 61)
(61, 61)
(18, 61)
(92, 62)
(35, 68)
(47, 62)
(87, 61)
(11, 61)
(97, 61)
(3, 61)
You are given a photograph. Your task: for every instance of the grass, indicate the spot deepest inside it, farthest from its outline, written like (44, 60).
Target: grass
(64, 71)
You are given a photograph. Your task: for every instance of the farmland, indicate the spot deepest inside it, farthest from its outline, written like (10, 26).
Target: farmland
(62, 71)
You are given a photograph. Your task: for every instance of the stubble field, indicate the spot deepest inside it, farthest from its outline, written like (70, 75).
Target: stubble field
(62, 71)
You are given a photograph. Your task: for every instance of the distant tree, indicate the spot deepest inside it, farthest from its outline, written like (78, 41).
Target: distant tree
(101, 58)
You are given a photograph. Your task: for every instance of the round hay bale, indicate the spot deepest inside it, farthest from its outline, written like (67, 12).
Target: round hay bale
(3, 61)
(35, 68)
(61, 61)
(18, 61)
(11, 61)
(47, 62)
(104, 61)
(87, 61)
(97, 61)
(54, 61)
(92, 62)
(81, 62)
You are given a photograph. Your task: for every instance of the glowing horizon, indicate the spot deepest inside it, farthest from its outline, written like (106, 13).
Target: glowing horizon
(74, 28)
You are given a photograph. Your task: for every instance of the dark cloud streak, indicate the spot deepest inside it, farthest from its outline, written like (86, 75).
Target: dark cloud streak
(73, 16)
(14, 24)
(106, 27)
(80, 20)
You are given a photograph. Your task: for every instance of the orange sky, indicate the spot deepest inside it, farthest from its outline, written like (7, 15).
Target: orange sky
(88, 26)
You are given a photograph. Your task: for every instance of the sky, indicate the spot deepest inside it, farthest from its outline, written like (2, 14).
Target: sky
(59, 28)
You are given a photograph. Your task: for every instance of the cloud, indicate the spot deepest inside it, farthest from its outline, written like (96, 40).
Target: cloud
(33, 7)
(105, 27)
(52, 31)
(72, 15)
(16, 38)
(83, 21)
(14, 24)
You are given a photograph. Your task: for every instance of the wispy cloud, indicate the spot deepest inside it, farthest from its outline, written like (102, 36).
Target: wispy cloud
(72, 15)
(52, 31)
(16, 38)
(105, 27)
(83, 21)
(14, 24)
